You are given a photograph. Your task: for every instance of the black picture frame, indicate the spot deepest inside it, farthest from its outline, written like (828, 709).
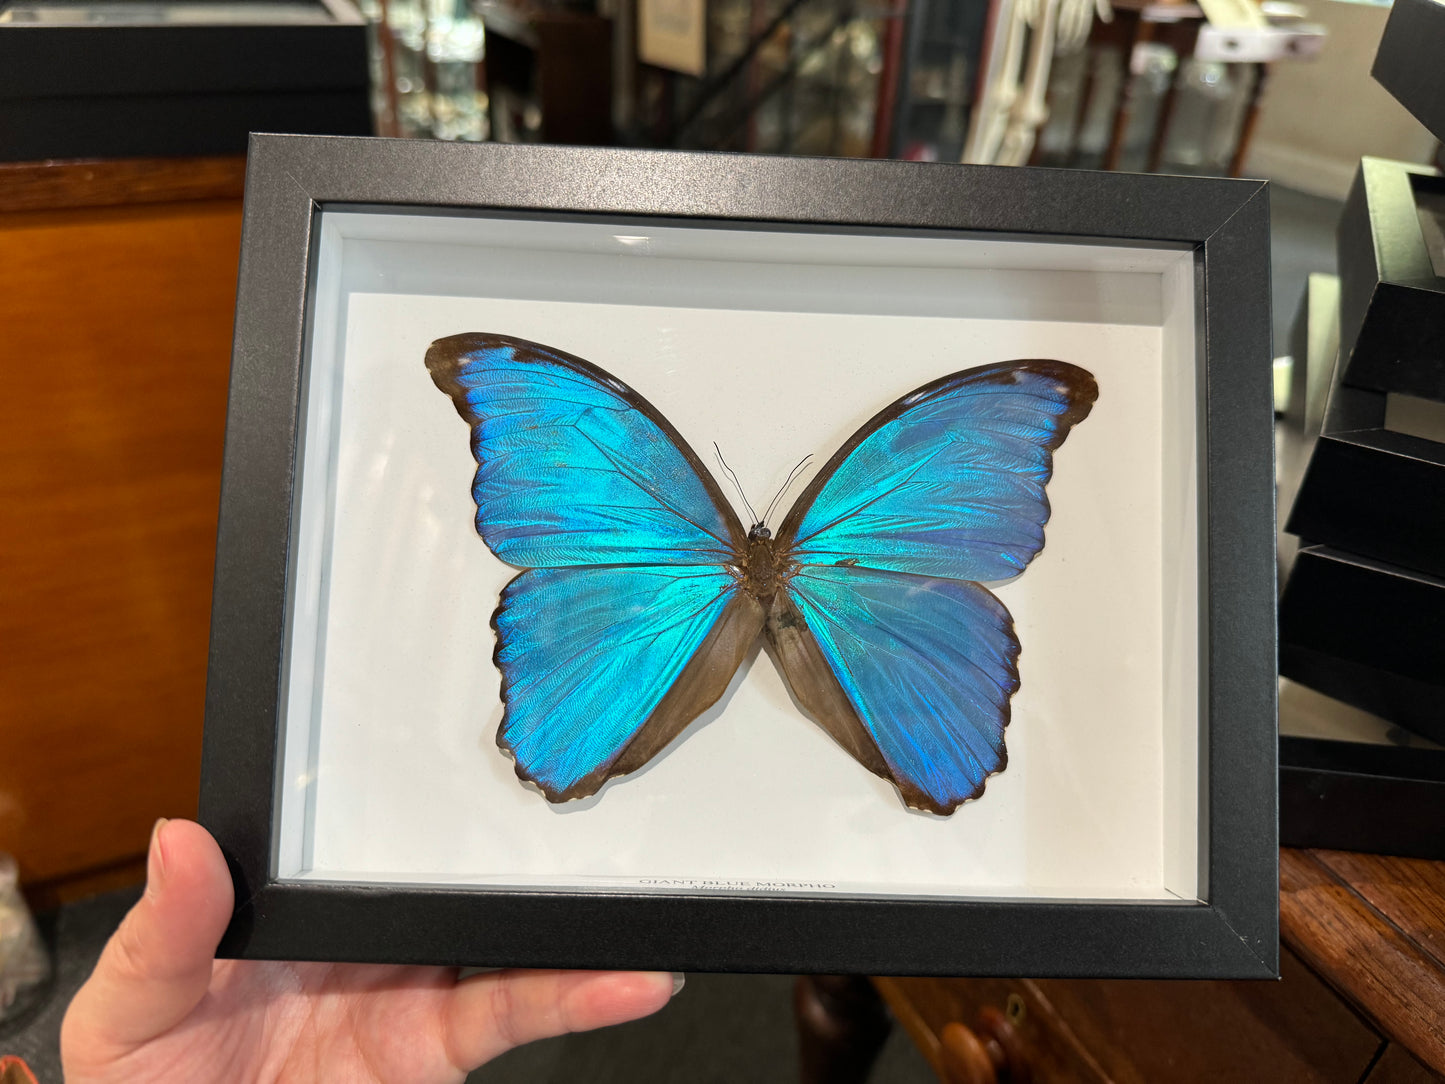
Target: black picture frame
(1370, 490)
(1232, 933)
(1363, 785)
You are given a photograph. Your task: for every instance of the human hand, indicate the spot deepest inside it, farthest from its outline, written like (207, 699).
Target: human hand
(160, 1008)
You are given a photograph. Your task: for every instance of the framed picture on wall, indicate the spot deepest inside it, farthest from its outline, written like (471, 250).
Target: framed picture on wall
(707, 562)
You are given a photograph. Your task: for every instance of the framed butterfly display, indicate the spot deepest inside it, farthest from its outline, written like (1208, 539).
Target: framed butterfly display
(710, 562)
(644, 592)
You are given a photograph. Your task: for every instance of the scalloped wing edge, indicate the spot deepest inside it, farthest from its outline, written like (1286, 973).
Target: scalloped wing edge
(700, 684)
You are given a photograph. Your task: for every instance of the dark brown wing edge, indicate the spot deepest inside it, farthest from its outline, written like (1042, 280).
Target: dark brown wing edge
(1083, 390)
(817, 689)
(702, 681)
(444, 358)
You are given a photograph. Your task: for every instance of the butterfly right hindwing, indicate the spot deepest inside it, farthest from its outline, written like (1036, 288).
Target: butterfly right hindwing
(927, 664)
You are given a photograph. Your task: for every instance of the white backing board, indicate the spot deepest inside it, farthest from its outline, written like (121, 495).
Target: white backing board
(773, 345)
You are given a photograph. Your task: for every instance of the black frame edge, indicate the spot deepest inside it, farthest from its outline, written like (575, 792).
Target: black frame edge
(1242, 637)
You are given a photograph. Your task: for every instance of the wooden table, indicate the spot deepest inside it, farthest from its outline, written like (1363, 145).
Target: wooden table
(1362, 1000)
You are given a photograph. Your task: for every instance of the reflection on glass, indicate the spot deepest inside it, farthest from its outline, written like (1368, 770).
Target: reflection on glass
(805, 84)
(937, 79)
(426, 58)
(377, 66)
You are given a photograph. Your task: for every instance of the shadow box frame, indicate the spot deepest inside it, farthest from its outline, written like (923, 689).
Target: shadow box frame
(1220, 228)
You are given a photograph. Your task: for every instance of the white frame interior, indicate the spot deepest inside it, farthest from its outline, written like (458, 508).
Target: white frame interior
(367, 261)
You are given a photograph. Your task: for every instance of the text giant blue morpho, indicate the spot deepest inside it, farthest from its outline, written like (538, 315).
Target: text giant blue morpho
(642, 592)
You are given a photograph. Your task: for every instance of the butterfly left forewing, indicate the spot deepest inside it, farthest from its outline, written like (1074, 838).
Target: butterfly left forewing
(573, 466)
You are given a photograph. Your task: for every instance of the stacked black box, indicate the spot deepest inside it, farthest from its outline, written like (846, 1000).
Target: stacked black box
(1362, 615)
(1408, 61)
(98, 80)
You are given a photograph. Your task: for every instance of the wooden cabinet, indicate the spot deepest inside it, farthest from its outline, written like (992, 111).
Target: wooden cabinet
(1361, 999)
(117, 292)
(1135, 1032)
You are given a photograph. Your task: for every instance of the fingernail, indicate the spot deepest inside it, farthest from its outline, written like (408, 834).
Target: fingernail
(155, 861)
(678, 981)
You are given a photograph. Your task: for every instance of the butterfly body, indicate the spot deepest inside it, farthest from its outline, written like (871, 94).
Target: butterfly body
(642, 594)
(764, 570)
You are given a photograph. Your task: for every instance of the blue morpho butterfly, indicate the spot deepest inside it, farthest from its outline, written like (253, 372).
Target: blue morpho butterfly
(642, 592)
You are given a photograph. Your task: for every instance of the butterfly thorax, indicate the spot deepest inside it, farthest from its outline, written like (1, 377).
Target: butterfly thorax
(766, 566)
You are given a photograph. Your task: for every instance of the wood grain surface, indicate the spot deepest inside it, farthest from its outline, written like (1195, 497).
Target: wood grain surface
(116, 346)
(1088, 1031)
(48, 186)
(1371, 926)
(1212, 1031)
(1408, 892)
(925, 1006)
(1398, 1066)
(1362, 996)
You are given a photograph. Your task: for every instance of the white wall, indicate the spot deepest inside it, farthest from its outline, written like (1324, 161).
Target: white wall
(1320, 116)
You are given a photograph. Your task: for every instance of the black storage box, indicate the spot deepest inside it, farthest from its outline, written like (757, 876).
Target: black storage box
(1352, 796)
(1351, 781)
(1368, 634)
(1314, 345)
(1392, 304)
(1371, 490)
(1408, 63)
(127, 78)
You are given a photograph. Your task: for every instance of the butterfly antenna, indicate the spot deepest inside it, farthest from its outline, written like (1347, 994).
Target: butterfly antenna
(734, 479)
(792, 477)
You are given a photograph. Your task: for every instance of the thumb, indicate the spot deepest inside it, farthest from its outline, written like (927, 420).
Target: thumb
(157, 966)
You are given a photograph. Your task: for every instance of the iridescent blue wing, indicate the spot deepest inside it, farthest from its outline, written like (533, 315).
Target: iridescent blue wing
(602, 667)
(948, 481)
(925, 666)
(573, 466)
(882, 631)
(629, 624)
